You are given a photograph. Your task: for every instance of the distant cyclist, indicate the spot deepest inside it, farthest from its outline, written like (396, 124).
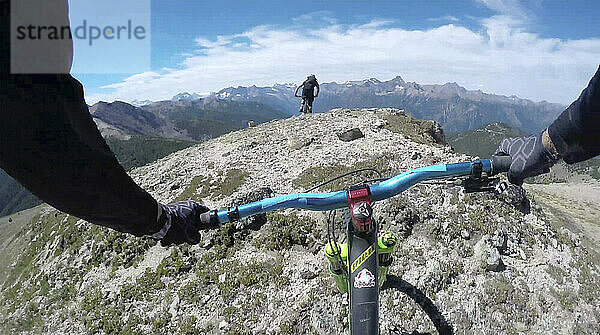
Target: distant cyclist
(308, 93)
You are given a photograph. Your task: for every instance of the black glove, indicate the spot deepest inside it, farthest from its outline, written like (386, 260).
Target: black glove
(529, 157)
(182, 220)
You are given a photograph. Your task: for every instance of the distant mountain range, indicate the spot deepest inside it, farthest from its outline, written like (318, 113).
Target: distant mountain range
(454, 107)
(182, 118)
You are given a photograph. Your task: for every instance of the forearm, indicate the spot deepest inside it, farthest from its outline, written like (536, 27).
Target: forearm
(576, 132)
(51, 145)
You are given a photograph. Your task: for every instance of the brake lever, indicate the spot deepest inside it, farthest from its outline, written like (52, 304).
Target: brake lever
(484, 184)
(473, 184)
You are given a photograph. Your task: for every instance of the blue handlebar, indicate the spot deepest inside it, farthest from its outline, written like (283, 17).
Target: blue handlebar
(334, 200)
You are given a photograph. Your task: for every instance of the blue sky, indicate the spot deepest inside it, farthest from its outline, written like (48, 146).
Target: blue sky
(542, 50)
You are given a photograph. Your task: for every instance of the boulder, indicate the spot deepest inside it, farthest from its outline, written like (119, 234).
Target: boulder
(350, 135)
(487, 255)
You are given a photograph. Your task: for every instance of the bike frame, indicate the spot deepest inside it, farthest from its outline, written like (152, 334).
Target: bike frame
(362, 267)
(304, 107)
(362, 254)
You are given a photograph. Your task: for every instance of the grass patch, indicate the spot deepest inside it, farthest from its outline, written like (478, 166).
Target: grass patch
(284, 231)
(566, 298)
(512, 298)
(315, 175)
(232, 277)
(224, 184)
(419, 131)
(144, 287)
(190, 191)
(557, 273)
(102, 315)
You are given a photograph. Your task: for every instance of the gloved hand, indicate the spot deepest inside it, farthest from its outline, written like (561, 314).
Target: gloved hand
(530, 157)
(182, 220)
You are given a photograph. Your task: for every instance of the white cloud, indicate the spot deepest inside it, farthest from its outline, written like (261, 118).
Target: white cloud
(444, 18)
(501, 57)
(321, 15)
(376, 24)
(514, 8)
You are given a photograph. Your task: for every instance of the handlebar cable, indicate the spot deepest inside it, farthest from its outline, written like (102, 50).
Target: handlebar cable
(442, 181)
(375, 180)
(344, 175)
(333, 243)
(332, 213)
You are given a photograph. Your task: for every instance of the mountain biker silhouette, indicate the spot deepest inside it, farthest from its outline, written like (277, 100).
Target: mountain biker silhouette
(308, 93)
(51, 145)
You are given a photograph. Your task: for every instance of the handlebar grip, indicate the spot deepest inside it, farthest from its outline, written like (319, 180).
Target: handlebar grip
(501, 164)
(209, 219)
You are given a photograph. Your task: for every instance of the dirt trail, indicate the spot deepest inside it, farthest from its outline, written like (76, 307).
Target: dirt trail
(574, 205)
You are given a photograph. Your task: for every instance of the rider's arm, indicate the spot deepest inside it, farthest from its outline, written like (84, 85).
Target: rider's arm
(318, 90)
(573, 137)
(297, 89)
(576, 132)
(51, 145)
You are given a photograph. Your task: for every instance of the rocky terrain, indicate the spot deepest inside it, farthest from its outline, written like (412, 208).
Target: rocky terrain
(465, 263)
(575, 204)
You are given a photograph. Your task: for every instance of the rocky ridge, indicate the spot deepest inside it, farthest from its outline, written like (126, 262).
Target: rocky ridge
(465, 264)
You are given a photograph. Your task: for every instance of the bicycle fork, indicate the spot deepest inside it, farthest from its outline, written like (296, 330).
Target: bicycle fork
(337, 254)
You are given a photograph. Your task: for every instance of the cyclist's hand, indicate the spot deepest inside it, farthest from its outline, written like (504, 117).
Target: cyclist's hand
(184, 219)
(529, 157)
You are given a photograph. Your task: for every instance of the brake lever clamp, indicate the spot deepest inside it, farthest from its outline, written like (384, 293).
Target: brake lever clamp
(477, 169)
(501, 187)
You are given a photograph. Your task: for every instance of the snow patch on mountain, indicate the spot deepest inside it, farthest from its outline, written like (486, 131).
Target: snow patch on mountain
(141, 103)
(185, 96)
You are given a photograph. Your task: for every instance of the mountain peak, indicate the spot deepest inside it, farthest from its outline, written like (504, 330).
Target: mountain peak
(185, 96)
(397, 80)
(141, 103)
(452, 84)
